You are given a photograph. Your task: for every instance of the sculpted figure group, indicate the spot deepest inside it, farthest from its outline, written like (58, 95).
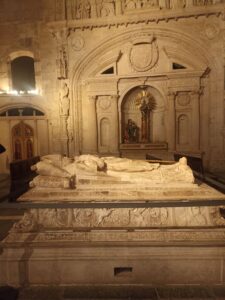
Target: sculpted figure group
(62, 172)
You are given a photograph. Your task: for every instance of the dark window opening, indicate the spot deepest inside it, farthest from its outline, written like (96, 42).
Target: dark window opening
(21, 111)
(108, 71)
(23, 76)
(178, 66)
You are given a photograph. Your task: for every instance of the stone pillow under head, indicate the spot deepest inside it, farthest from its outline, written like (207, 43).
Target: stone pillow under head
(47, 169)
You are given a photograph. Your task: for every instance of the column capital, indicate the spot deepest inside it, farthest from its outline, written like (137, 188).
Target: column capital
(197, 92)
(92, 97)
(114, 97)
(172, 94)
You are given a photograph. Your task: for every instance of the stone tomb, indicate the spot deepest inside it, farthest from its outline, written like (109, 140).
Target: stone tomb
(111, 231)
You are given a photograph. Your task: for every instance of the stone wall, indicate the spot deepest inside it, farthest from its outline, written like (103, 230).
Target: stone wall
(90, 56)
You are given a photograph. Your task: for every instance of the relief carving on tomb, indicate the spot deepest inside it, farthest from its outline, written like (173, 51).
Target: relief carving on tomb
(128, 218)
(144, 52)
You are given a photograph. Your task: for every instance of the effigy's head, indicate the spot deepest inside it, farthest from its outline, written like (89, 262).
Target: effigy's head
(183, 161)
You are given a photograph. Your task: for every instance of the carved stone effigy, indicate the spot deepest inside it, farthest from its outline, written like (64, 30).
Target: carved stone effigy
(117, 171)
(110, 212)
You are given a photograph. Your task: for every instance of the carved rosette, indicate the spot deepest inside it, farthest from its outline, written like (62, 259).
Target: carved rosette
(144, 53)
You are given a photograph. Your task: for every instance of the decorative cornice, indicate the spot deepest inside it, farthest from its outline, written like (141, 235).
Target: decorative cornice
(146, 17)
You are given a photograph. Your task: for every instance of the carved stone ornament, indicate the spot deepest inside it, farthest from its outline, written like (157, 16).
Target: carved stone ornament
(211, 30)
(77, 43)
(183, 99)
(104, 102)
(144, 53)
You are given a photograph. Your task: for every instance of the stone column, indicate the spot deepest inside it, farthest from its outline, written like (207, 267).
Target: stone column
(195, 98)
(115, 113)
(171, 126)
(92, 120)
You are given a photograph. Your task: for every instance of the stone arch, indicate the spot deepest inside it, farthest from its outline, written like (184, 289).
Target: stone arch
(85, 66)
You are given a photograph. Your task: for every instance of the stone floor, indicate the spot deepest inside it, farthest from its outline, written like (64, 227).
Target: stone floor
(113, 293)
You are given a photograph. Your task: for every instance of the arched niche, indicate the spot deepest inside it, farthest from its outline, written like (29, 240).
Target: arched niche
(183, 131)
(104, 133)
(142, 116)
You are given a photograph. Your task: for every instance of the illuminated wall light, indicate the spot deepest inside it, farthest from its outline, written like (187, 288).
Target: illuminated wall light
(33, 92)
(14, 92)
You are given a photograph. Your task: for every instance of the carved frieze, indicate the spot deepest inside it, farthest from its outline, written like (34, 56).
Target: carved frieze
(126, 218)
(144, 52)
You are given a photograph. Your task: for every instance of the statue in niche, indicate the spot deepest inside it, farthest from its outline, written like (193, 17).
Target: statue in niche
(145, 103)
(62, 63)
(107, 8)
(83, 10)
(64, 100)
(131, 132)
(130, 4)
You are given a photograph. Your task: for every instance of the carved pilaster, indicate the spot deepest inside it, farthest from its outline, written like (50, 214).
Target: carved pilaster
(61, 37)
(92, 119)
(195, 96)
(115, 111)
(171, 128)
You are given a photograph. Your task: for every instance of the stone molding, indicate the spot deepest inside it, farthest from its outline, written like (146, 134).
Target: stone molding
(154, 16)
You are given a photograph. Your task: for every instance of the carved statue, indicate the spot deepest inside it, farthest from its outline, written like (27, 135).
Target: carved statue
(83, 10)
(62, 63)
(64, 100)
(146, 104)
(64, 172)
(131, 132)
(107, 8)
(130, 4)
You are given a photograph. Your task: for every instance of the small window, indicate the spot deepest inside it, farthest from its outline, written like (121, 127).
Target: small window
(22, 112)
(108, 71)
(177, 66)
(23, 76)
